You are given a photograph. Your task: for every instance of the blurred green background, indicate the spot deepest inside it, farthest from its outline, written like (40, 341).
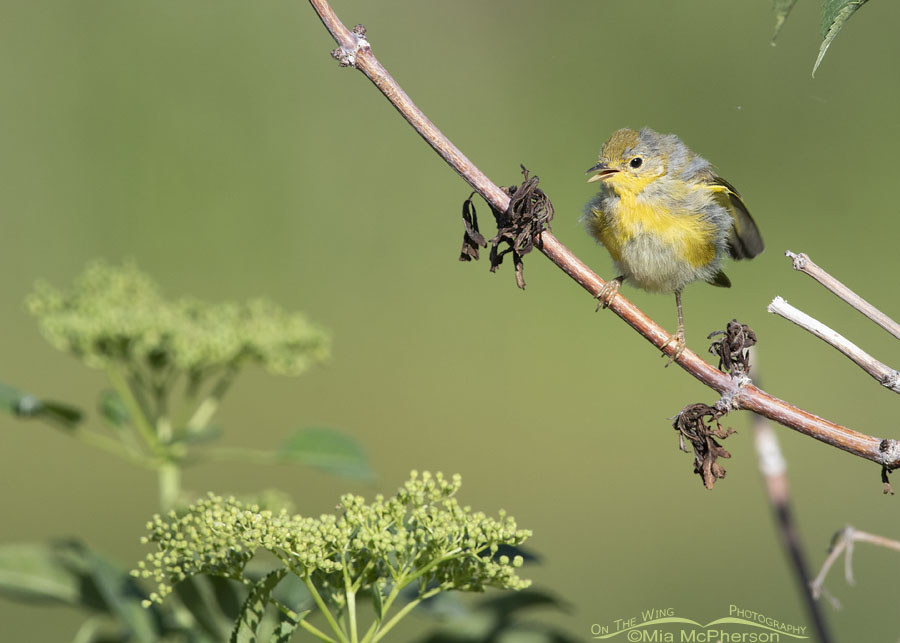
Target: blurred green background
(218, 145)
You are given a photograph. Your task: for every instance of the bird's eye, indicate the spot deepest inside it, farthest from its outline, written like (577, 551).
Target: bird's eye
(636, 162)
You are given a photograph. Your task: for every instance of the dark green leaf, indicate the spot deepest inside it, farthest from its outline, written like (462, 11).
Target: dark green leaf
(64, 414)
(284, 630)
(199, 597)
(230, 595)
(509, 602)
(328, 450)
(835, 15)
(28, 406)
(782, 10)
(502, 619)
(292, 591)
(69, 573)
(113, 408)
(446, 606)
(254, 609)
(35, 573)
(9, 398)
(122, 597)
(378, 602)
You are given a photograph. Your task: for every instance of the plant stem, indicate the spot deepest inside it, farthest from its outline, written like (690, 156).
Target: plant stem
(886, 376)
(404, 611)
(427, 568)
(238, 454)
(314, 592)
(773, 468)
(350, 592)
(164, 429)
(803, 263)
(395, 591)
(844, 541)
(135, 411)
(168, 473)
(374, 632)
(319, 634)
(210, 403)
(169, 477)
(112, 446)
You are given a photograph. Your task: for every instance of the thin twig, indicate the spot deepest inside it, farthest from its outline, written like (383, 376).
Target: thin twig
(844, 540)
(773, 468)
(354, 50)
(886, 376)
(803, 263)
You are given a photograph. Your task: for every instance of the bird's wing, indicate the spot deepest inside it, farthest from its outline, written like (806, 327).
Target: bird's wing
(744, 240)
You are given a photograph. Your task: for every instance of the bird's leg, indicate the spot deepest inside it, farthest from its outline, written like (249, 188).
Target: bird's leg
(610, 289)
(678, 337)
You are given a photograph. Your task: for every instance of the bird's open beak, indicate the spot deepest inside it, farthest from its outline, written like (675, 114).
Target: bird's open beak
(604, 171)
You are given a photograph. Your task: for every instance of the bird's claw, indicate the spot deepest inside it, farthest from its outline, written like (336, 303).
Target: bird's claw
(607, 293)
(680, 345)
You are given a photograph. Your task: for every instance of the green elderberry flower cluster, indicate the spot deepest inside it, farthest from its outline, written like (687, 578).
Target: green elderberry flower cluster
(420, 535)
(116, 314)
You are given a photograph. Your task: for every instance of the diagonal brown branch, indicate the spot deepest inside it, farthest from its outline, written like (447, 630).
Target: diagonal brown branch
(354, 50)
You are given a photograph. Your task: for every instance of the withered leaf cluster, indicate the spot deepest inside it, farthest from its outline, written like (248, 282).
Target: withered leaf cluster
(733, 349)
(694, 424)
(529, 213)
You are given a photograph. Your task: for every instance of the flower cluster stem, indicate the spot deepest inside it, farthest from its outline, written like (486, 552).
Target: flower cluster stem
(406, 609)
(320, 602)
(210, 404)
(169, 477)
(135, 411)
(319, 634)
(124, 451)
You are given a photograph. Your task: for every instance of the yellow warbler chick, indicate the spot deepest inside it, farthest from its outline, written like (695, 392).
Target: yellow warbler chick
(666, 218)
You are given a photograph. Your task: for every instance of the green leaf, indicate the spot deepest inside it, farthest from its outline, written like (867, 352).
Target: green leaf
(254, 609)
(113, 408)
(284, 630)
(230, 595)
(446, 606)
(292, 592)
(504, 605)
(378, 602)
(35, 573)
(9, 397)
(26, 405)
(328, 450)
(121, 596)
(69, 573)
(200, 598)
(61, 413)
(835, 15)
(782, 9)
(507, 618)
